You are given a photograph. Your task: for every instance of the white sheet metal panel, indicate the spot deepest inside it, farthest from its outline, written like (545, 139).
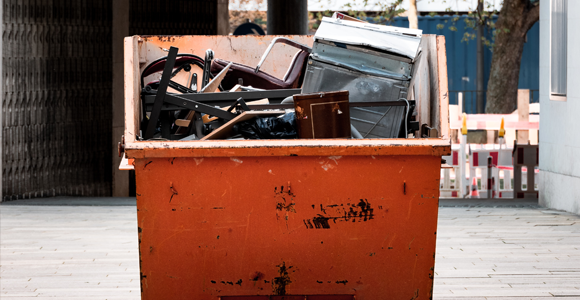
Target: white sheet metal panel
(397, 40)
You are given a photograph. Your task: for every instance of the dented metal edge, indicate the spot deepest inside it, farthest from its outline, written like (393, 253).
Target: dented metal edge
(346, 147)
(402, 41)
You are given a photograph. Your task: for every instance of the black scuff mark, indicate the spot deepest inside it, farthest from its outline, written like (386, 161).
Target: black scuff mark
(213, 281)
(280, 283)
(321, 222)
(283, 204)
(173, 191)
(257, 276)
(172, 160)
(319, 281)
(360, 212)
(239, 282)
(416, 295)
(341, 281)
(147, 164)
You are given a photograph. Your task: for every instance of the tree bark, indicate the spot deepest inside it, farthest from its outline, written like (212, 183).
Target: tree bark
(515, 19)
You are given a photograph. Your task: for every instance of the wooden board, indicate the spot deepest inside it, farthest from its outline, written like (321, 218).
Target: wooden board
(217, 80)
(226, 130)
(523, 115)
(442, 90)
(422, 83)
(207, 119)
(132, 89)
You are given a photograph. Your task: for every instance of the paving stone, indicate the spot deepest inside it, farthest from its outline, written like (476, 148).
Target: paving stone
(74, 249)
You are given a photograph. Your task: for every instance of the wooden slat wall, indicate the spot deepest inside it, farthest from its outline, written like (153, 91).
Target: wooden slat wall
(56, 98)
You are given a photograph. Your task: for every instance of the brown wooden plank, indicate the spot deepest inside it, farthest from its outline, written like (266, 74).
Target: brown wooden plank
(132, 89)
(443, 89)
(226, 130)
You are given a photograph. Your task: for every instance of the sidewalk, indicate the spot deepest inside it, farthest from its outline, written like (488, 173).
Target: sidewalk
(79, 248)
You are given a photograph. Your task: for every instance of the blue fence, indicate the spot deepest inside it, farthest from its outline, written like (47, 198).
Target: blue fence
(462, 56)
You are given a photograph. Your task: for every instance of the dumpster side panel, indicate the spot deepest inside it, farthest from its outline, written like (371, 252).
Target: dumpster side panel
(246, 49)
(287, 225)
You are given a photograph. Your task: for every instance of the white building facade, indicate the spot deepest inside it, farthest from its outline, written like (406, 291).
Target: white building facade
(559, 177)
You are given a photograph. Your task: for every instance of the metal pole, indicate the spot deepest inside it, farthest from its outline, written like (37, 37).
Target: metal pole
(287, 17)
(489, 170)
(462, 161)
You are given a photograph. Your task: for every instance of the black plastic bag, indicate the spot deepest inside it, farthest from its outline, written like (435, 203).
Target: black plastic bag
(282, 127)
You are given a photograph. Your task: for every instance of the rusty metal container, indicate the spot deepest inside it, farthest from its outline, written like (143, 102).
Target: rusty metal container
(317, 219)
(323, 115)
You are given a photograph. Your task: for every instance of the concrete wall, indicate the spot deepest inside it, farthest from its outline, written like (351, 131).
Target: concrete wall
(559, 179)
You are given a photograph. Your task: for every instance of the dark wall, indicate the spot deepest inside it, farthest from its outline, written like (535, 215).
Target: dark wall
(57, 69)
(57, 100)
(173, 17)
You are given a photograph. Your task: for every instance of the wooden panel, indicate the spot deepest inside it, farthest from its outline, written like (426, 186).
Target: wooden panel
(523, 115)
(443, 90)
(132, 89)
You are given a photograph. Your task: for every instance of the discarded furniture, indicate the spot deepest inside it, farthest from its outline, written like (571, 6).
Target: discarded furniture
(252, 76)
(372, 62)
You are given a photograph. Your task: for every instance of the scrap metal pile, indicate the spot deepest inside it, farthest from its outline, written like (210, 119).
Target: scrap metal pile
(353, 82)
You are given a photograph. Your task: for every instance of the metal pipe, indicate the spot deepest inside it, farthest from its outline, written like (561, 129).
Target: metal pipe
(355, 133)
(281, 40)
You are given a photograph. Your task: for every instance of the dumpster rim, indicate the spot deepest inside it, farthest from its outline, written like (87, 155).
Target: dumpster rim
(295, 147)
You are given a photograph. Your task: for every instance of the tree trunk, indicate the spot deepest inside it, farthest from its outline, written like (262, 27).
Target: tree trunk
(515, 19)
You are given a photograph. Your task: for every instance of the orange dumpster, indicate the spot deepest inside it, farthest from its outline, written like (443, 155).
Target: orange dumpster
(280, 219)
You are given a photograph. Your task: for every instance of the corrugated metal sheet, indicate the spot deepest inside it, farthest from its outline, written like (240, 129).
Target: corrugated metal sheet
(57, 98)
(462, 57)
(57, 64)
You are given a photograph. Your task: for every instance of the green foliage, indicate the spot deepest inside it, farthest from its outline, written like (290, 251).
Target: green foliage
(480, 16)
(386, 11)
